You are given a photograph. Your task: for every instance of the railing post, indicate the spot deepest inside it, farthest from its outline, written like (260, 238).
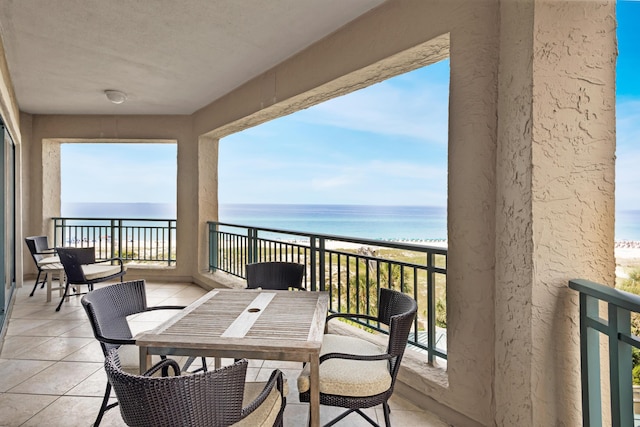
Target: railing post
(170, 242)
(64, 232)
(113, 238)
(322, 264)
(252, 245)
(590, 360)
(213, 246)
(312, 256)
(431, 308)
(620, 367)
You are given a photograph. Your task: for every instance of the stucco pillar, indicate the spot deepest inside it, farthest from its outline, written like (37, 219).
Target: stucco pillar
(555, 199)
(207, 194)
(50, 185)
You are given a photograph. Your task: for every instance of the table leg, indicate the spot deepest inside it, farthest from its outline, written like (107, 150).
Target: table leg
(61, 281)
(49, 283)
(314, 392)
(145, 360)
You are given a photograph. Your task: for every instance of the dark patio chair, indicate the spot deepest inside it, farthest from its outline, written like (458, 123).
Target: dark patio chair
(357, 374)
(215, 398)
(275, 275)
(42, 254)
(107, 309)
(81, 268)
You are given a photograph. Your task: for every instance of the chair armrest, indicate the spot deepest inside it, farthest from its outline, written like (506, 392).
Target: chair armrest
(109, 260)
(48, 251)
(166, 307)
(361, 357)
(115, 340)
(276, 380)
(164, 364)
(348, 316)
(352, 315)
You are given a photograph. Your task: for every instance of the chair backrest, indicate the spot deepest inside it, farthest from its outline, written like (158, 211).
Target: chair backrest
(72, 260)
(108, 308)
(398, 311)
(212, 398)
(275, 275)
(36, 245)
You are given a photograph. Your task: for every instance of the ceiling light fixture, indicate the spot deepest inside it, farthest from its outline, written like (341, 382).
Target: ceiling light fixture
(115, 96)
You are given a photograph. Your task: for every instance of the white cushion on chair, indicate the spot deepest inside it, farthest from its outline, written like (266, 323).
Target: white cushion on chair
(49, 260)
(98, 271)
(265, 414)
(345, 377)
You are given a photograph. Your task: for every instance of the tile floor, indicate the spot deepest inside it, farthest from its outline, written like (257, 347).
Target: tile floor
(51, 371)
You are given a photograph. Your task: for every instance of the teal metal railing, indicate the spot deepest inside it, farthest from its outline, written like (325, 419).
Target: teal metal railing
(140, 240)
(352, 270)
(617, 328)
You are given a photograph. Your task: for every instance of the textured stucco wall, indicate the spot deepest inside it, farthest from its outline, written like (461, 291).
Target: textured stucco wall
(49, 131)
(530, 177)
(8, 105)
(514, 241)
(555, 205)
(394, 38)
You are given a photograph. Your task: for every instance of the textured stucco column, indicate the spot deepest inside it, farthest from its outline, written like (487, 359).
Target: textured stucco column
(207, 195)
(555, 199)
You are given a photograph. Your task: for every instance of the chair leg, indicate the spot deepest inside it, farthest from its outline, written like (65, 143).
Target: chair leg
(44, 281)
(385, 407)
(190, 360)
(366, 417)
(36, 285)
(105, 405)
(64, 295)
(339, 417)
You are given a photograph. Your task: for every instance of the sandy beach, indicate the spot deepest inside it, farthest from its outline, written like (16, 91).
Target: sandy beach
(627, 252)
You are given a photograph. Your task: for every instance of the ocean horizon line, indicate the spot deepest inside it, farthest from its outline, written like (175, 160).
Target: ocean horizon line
(370, 221)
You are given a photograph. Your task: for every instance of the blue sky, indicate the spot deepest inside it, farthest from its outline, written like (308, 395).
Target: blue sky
(628, 107)
(125, 173)
(386, 144)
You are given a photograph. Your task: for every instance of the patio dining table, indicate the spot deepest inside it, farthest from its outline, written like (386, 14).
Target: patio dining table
(251, 323)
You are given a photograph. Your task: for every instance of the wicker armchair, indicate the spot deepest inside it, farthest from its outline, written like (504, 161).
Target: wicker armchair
(81, 268)
(365, 376)
(275, 275)
(42, 254)
(107, 309)
(216, 398)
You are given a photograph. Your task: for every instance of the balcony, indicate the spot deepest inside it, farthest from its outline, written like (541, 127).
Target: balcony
(52, 374)
(351, 269)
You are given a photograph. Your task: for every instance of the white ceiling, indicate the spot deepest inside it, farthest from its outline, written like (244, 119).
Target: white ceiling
(168, 56)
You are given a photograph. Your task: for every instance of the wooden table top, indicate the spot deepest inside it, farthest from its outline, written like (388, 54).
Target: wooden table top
(263, 323)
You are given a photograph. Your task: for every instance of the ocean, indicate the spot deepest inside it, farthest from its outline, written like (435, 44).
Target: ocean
(410, 223)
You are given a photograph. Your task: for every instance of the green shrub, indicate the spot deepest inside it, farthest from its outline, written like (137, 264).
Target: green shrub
(632, 285)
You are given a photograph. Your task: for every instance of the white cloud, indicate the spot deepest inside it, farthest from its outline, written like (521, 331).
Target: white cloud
(389, 109)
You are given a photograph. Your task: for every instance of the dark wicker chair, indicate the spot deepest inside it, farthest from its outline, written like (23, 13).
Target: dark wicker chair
(107, 309)
(81, 268)
(42, 254)
(365, 376)
(215, 398)
(275, 275)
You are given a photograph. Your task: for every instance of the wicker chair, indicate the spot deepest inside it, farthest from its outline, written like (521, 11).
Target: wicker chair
(42, 254)
(107, 309)
(215, 398)
(275, 275)
(81, 268)
(365, 376)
